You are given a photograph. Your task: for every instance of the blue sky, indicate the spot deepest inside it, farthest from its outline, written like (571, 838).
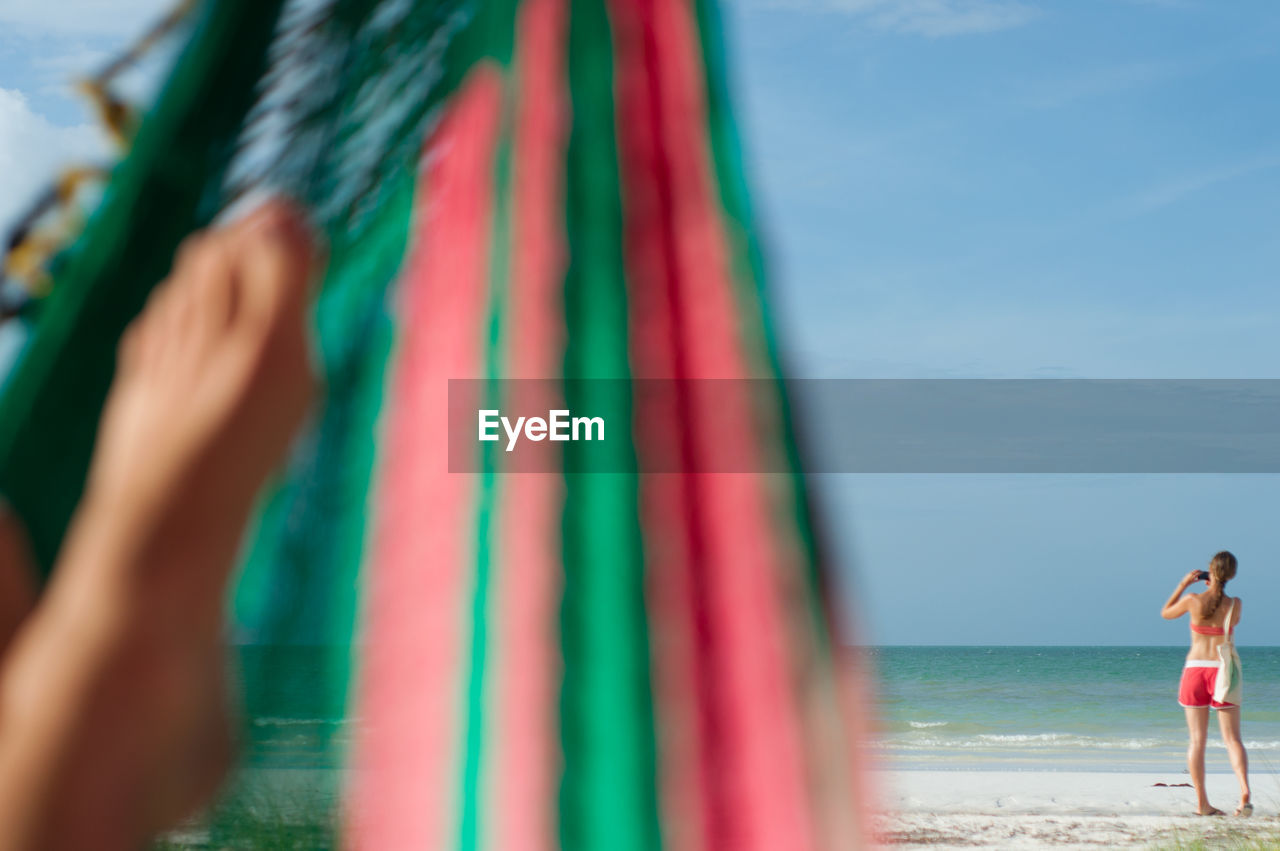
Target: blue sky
(1074, 188)
(43, 47)
(960, 188)
(1015, 189)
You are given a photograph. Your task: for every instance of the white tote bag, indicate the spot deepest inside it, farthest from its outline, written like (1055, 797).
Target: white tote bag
(1229, 685)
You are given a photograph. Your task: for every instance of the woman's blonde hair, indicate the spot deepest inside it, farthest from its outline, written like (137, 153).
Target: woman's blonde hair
(1222, 567)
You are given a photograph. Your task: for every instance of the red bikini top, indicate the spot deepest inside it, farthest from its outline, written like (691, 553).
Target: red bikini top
(1217, 630)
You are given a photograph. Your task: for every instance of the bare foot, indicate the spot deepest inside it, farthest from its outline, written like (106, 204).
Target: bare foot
(215, 376)
(130, 729)
(1245, 809)
(213, 382)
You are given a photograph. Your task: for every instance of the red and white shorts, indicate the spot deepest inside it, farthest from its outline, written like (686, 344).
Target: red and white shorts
(1196, 689)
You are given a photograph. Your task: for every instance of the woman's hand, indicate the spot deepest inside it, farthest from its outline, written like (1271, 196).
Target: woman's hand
(1177, 605)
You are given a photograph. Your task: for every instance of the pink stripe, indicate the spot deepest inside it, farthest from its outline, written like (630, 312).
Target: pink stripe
(795, 779)
(753, 580)
(407, 755)
(681, 643)
(817, 749)
(757, 573)
(525, 756)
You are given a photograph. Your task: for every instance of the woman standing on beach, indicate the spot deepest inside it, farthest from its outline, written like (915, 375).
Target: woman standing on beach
(1213, 619)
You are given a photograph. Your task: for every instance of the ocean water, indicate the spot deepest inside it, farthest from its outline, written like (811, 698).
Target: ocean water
(289, 718)
(1092, 708)
(1058, 708)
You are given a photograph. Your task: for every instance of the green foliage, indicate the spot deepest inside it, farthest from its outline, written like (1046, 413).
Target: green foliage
(1258, 835)
(253, 817)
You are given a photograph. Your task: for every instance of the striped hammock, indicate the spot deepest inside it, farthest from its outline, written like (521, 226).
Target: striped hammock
(545, 189)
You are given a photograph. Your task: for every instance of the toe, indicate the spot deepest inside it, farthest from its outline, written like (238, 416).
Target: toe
(213, 292)
(189, 311)
(206, 288)
(147, 330)
(184, 319)
(171, 311)
(128, 349)
(279, 217)
(189, 251)
(274, 256)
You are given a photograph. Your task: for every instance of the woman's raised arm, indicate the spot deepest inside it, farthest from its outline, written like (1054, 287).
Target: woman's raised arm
(1177, 605)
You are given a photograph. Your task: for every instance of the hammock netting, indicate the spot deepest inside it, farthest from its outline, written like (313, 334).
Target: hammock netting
(545, 189)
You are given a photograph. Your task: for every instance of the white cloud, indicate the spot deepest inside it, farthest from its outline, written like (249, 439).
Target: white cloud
(73, 61)
(930, 18)
(97, 18)
(1175, 189)
(1166, 4)
(1092, 82)
(32, 150)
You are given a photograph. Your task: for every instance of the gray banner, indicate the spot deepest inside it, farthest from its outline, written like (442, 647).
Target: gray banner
(872, 426)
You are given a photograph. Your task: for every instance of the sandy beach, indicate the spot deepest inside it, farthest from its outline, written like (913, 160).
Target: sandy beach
(1063, 809)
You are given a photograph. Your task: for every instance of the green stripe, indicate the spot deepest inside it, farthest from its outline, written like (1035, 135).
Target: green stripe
(165, 189)
(300, 580)
(608, 794)
(488, 521)
(493, 38)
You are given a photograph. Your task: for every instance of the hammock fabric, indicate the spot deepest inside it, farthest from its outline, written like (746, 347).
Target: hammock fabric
(546, 189)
